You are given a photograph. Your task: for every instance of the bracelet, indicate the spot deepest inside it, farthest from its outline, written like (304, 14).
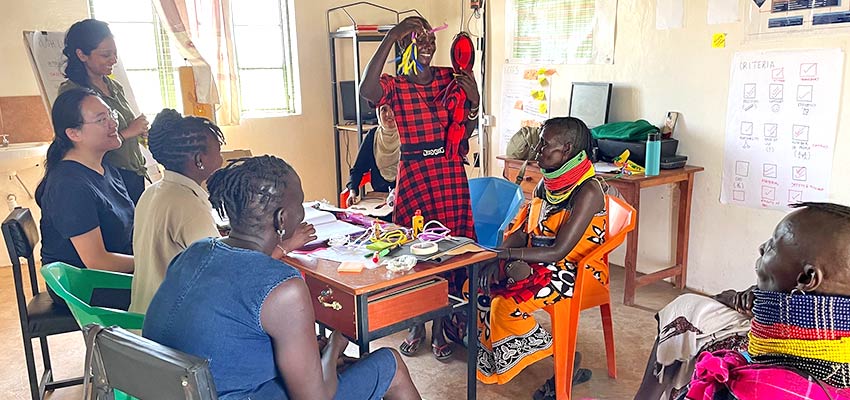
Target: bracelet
(474, 109)
(472, 117)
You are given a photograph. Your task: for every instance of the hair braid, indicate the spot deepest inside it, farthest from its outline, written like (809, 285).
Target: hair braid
(174, 139)
(249, 190)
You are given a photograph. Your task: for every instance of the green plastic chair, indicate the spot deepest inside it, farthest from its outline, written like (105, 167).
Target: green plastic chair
(75, 286)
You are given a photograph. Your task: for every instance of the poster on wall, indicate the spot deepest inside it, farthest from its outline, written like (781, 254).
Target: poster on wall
(48, 64)
(781, 124)
(560, 31)
(772, 17)
(526, 94)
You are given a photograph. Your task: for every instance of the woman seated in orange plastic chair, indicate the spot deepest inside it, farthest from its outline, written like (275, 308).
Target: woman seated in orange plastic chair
(378, 155)
(565, 221)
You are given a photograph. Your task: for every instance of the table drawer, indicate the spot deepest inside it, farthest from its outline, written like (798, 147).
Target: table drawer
(532, 176)
(337, 309)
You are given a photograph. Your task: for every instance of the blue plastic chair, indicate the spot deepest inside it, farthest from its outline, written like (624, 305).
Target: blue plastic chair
(495, 203)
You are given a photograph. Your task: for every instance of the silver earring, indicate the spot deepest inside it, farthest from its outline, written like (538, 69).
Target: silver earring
(200, 166)
(281, 233)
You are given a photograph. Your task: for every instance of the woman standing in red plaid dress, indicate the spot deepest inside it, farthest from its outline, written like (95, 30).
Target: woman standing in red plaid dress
(431, 175)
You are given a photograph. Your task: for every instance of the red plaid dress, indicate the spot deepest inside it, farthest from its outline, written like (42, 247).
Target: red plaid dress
(428, 179)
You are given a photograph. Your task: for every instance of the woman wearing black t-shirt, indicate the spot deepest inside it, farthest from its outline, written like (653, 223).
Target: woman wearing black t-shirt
(86, 213)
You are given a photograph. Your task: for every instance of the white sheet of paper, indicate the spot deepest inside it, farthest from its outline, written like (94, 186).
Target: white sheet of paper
(723, 11)
(781, 125)
(343, 255)
(669, 14)
(605, 167)
(373, 206)
(328, 230)
(326, 224)
(315, 216)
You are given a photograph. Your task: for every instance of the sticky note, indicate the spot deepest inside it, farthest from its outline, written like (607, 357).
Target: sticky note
(538, 95)
(718, 40)
(542, 80)
(543, 108)
(350, 266)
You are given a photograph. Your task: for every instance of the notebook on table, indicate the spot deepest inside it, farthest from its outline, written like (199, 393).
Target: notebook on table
(326, 224)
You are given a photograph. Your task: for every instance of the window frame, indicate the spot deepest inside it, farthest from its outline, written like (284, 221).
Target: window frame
(166, 69)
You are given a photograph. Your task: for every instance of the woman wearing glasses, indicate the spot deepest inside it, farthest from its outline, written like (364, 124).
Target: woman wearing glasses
(91, 53)
(86, 214)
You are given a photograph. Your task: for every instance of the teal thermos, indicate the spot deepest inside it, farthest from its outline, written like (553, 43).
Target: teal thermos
(653, 154)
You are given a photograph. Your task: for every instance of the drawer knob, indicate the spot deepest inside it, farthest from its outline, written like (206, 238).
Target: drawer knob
(325, 297)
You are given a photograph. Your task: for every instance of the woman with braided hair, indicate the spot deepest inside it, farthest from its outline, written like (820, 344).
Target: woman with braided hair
(174, 212)
(229, 301)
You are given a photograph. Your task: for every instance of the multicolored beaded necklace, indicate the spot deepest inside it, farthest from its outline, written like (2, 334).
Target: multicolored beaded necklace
(559, 184)
(803, 331)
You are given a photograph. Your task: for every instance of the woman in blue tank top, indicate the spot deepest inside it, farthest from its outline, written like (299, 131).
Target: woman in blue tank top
(250, 315)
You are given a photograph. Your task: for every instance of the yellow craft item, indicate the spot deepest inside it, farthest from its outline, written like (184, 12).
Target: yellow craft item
(622, 161)
(543, 108)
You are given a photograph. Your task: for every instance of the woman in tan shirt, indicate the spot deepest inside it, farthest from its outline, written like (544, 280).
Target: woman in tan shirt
(175, 211)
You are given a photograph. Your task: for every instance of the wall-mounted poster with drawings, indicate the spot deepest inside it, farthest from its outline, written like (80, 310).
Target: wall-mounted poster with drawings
(781, 125)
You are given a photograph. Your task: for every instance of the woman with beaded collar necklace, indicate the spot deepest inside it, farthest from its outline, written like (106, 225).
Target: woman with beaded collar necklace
(565, 221)
(799, 338)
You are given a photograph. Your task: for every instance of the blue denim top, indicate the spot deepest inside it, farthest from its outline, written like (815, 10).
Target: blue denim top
(209, 305)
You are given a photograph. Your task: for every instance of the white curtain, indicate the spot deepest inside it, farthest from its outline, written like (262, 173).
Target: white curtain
(203, 32)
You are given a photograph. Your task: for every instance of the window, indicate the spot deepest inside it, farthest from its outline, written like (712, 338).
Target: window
(561, 31)
(262, 43)
(144, 49)
(263, 55)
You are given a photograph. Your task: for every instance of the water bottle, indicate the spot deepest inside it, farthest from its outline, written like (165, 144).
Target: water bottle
(653, 154)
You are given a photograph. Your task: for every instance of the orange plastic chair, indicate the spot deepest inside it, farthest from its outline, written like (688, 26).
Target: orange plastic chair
(587, 293)
(343, 197)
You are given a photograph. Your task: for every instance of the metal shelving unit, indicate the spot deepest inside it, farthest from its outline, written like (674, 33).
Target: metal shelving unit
(356, 38)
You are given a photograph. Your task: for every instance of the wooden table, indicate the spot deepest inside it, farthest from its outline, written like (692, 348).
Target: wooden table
(630, 187)
(357, 288)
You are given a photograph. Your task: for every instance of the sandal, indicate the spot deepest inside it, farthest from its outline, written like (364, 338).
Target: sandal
(442, 352)
(454, 328)
(580, 375)
(410, 347)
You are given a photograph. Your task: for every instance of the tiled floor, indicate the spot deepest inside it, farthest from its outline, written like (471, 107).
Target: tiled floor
(634, 332)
